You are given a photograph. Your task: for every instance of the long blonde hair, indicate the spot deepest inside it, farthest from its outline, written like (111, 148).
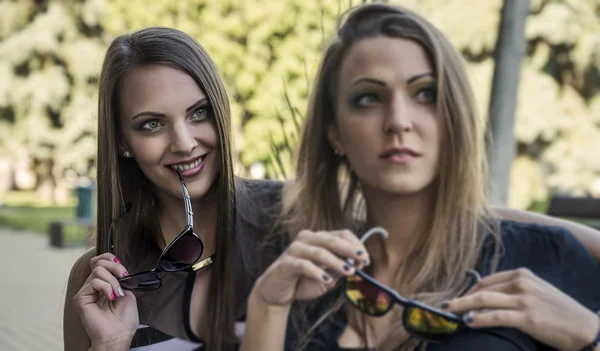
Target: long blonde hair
(136, 236)
(326, 195)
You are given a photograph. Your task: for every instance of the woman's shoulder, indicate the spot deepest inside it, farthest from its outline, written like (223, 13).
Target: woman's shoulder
(81, 268)
(542, 245)
(553, 254)
(257, 187)
(80, 272)
(534, 238)
(258, 203)
(258, 209)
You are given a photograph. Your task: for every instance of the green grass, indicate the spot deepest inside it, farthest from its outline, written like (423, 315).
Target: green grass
(33, 219)
(22, 210)
(31, 198)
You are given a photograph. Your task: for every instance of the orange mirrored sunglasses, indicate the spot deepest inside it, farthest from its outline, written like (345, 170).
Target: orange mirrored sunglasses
(376, 299)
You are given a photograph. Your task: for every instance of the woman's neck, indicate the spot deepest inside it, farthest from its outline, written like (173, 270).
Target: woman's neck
(173, 218)
(406, 219)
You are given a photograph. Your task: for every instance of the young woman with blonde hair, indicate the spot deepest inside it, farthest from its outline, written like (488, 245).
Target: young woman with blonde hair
(392, 140)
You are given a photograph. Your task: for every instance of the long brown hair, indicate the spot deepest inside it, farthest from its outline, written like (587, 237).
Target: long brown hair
(326, 195)
(136, 235)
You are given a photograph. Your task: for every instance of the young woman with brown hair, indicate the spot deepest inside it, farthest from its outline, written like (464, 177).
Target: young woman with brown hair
(163, 111)
(166, 200)
(392, 140)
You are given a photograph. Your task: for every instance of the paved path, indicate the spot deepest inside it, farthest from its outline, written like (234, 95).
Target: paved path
(33, 281)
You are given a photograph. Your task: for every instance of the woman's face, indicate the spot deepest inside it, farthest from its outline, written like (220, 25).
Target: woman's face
(167, 123)
(386, 123)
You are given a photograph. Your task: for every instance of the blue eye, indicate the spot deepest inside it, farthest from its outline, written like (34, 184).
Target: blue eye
(200, 114)
(427, 95)
(150, 125)
(363, 100)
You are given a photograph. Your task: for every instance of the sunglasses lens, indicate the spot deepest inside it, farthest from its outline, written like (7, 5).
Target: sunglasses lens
(145, 281)
(184, 252)
(367, 297)
(428, 325)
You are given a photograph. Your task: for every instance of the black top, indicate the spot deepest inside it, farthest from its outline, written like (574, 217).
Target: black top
(165, 313)
(552, 253)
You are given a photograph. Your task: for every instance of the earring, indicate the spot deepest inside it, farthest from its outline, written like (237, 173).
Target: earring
(338, 152)
(127, 154)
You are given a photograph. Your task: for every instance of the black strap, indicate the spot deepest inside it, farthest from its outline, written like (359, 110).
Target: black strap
(187, 299)
(148, 336)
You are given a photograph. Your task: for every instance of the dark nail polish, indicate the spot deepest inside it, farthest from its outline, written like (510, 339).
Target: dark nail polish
(346, 267)
(445, 305)
(468, 317)
(325, 277)
(359, 252)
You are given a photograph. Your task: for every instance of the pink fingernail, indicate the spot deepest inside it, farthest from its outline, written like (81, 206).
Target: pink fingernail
(125, 273)
(117, 260)
(112, 295)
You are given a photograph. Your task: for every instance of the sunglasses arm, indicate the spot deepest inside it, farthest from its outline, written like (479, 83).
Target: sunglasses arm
(374, 231)
(188, 204)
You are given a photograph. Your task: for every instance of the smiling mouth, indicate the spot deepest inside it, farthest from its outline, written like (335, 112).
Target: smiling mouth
(185, 166)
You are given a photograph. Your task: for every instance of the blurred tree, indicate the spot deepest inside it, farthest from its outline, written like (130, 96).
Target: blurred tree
(510, 49)
(50, 56)
(264, 50)
(558, 115)
(51, 52)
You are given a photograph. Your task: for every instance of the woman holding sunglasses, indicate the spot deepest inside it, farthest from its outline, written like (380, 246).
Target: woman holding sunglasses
(165, 204)
(392, 140)
(162, 131)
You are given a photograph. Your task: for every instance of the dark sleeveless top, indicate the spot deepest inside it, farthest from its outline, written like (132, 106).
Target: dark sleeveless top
(165, 313)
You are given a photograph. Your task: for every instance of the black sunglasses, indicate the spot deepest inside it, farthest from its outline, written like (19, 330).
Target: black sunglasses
(180, 254)
(420, 320)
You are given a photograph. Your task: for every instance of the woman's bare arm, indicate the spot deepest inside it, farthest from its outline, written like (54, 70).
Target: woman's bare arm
(74, 333)
(589, 236)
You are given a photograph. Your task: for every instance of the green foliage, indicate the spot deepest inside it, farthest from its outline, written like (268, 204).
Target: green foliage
(30, 199)
(268, 52)
(22, 210)
(33, 218)
(264, 50)
(50, 57)
(557, 112)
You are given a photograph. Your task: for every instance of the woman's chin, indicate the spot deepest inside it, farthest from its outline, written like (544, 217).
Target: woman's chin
(402, 188)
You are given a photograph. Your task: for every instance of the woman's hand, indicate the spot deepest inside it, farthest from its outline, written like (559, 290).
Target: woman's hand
(310, 266)
(108, 313)
(522, 300)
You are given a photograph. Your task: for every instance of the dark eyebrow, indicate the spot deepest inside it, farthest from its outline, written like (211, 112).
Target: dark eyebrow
(196, 104)
(378, 82)
(148, 113)
(420, 76)
(369, 80)
(158, 114)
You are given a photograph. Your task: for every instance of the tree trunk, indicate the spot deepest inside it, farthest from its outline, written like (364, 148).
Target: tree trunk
(510, 49)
